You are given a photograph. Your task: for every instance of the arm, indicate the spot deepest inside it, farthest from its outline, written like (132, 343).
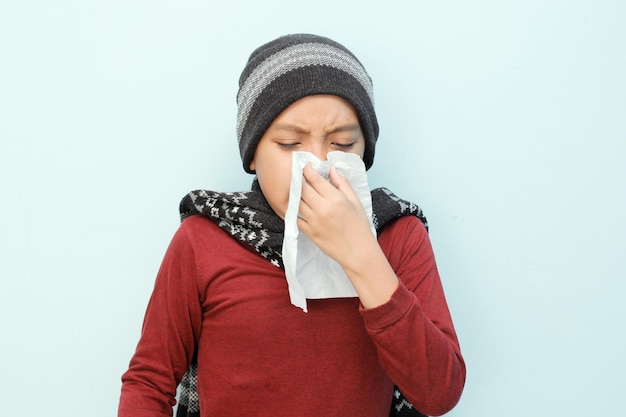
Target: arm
(404, 306)
(169, 335)
(413, 331)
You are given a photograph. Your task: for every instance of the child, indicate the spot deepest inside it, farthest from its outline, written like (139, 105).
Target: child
(221, 302)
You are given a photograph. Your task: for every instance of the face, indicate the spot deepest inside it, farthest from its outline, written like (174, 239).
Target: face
(317, 124)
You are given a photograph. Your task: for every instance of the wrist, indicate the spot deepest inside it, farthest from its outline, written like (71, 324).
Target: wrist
(371, 275)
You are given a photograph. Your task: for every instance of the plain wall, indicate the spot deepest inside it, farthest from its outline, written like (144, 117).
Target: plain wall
(505, 121)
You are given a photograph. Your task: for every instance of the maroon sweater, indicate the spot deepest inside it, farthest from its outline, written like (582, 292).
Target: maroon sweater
(259, 355)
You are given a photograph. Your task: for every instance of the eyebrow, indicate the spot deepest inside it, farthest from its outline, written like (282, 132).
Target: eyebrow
(350, 127)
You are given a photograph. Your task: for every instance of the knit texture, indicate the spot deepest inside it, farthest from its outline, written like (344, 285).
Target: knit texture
(248, 218)
(291, 67)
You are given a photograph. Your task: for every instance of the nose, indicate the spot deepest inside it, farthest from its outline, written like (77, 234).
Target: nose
(320, 150)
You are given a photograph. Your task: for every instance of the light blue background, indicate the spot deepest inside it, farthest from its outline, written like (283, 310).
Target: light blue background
(505, 121)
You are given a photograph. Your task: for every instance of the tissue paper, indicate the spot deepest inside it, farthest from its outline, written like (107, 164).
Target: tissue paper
(310, 272)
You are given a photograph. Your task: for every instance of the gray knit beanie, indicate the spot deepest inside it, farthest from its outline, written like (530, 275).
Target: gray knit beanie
(292, 67)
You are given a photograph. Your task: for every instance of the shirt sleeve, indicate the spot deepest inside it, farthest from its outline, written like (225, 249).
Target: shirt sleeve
(169, 334)
(413, 331)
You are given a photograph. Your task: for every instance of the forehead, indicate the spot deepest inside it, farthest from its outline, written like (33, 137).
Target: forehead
(319, 108)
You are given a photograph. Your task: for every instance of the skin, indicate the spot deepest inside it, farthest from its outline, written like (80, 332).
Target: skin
(331, 214)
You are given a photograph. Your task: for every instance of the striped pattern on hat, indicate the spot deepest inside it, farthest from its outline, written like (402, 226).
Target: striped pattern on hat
(295, 66)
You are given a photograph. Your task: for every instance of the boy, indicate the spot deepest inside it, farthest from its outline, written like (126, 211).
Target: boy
(221, 306)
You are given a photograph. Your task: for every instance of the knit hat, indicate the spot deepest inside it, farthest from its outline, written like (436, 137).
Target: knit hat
(292, 67)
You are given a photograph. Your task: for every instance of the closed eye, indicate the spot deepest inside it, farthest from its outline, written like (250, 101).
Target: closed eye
(288, 145)
(344, 145)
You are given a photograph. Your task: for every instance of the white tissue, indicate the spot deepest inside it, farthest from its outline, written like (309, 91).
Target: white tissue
(310, 272)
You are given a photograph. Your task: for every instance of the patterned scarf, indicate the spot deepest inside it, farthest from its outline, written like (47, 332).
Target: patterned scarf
(248, 218)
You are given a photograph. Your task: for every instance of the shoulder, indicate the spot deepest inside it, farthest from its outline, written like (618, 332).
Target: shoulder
(404, 227)
(405, 239)
(197, 223)
(198, 231)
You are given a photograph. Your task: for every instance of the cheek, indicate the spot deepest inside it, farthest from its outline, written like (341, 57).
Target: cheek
(275, 180)
(359, 149)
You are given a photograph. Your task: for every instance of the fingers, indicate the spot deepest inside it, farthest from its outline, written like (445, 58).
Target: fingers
(339, 181)
(309, 193)
(306, 198)
(314, 178)
(320, 184)
(314, 187)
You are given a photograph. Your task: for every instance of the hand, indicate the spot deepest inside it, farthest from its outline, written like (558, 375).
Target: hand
(332, 215)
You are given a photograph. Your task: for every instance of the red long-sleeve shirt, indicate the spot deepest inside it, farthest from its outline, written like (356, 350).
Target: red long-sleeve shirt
(259, 355)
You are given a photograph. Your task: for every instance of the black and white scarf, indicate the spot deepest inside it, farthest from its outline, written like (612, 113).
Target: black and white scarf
(248, 218)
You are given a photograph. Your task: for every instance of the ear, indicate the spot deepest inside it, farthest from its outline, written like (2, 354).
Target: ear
(252, 165)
